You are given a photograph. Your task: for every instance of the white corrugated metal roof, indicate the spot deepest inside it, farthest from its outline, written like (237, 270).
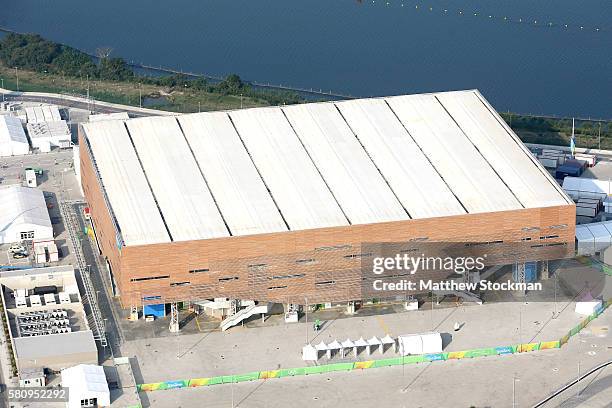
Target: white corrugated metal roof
(232, 177)
(353, 178)
(13, 139)
(44, 113)
(463, 168)
(125, 184)
(579, 187)
(187, 205)
(336, 163)
(300, 193)
(518, 170)
(85, 378)
(411, 176)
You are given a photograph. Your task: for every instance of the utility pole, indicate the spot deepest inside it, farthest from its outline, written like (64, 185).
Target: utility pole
(17, 76)
(599, 136)
(140, 95)
(2, 79)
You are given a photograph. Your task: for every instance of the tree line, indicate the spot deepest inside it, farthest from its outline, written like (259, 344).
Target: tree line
(34, 53)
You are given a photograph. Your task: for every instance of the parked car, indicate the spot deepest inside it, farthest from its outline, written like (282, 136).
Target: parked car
(17, 248)
(20, 255)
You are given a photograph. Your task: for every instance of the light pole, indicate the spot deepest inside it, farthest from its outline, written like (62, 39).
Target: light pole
(2, 79)
(514, 380)
(306, 310)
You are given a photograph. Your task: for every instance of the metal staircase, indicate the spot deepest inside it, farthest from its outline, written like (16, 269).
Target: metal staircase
(242, 315)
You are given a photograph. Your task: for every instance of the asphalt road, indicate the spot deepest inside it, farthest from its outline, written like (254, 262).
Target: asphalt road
(59, 100)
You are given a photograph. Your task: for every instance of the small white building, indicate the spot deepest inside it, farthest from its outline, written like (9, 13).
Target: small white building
(13, 140)
(45, 135)
(88, 386)
(23, 215)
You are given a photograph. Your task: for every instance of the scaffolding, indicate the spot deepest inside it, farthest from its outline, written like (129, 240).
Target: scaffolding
(95, 318)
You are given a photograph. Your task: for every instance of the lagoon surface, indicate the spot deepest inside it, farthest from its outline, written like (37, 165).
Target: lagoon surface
(358, 48)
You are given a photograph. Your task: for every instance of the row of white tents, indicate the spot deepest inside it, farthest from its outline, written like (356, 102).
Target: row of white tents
(422, 343)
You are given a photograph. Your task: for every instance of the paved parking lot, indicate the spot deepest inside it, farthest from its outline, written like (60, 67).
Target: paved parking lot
(57, 182)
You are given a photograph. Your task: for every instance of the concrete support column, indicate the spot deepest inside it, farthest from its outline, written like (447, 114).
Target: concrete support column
(174, 320)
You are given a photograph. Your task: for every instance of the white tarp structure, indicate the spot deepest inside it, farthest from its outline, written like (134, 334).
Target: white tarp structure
(317, 165)
(88, 386)
(53, 134)
(592, 238)
(587, 308)
(432, 342)
(422, 343)
(23, 215)
(13, 140)
(309, 353)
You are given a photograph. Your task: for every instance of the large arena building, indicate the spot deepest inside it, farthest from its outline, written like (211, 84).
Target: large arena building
(276, 203)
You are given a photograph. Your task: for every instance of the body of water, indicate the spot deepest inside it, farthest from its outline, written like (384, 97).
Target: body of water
(360, 48)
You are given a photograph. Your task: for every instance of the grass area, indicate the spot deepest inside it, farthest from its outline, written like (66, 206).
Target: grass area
(127, 93)
(558, 131)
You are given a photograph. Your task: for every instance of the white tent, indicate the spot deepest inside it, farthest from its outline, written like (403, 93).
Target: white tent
(388, 340)
(321, 347)
(432, 342)
(334, 345)
(410, 344)
(23, 215)
(373, 342)
(87, 384)
(360, 343)
(587, 308)
(423, 343)
(309, 353)
(13, 139)
(346, 344)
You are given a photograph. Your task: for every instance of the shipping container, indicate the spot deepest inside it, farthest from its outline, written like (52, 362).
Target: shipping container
(586, 211)
(552, 152)
(549, 162)
(565, 171)
(590, 159)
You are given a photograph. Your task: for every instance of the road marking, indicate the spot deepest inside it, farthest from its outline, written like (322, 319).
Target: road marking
(382, 324)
